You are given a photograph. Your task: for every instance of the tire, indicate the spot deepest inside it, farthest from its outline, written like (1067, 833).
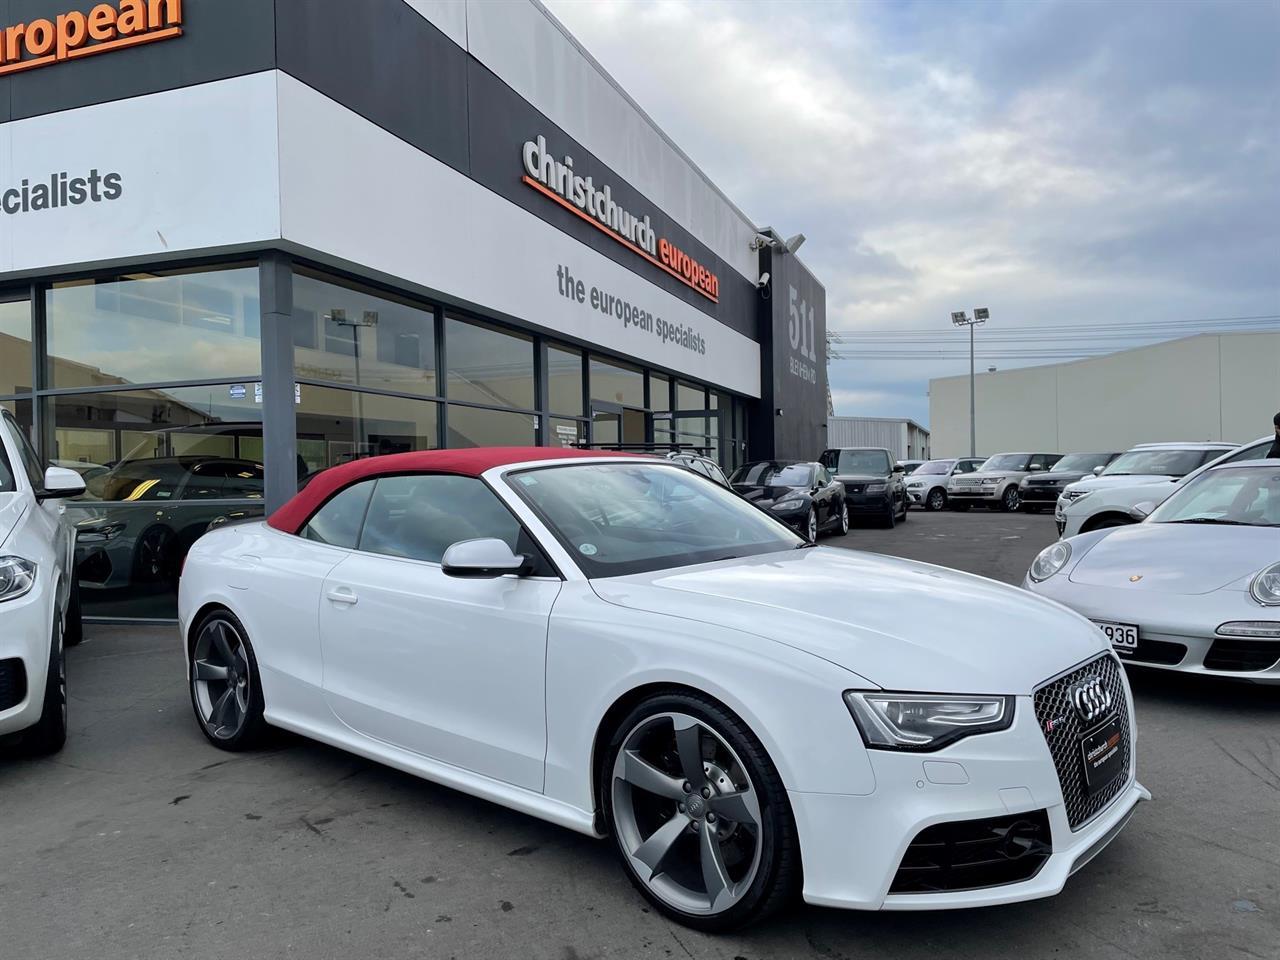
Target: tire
(891, 517)
(844, 518)
(73, 633)
(903, 518)
(811, 526)
(662, 840)
(225, 686)
(1010, 500)
(937, 499)
(50, 732)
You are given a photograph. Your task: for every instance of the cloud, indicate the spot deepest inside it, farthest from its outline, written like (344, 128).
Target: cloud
(1059, 162)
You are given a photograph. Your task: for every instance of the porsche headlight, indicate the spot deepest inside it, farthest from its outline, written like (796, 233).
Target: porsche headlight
(1050, 560)
(919, 721)
(793, 503)
(1265, 587)
(17, 576)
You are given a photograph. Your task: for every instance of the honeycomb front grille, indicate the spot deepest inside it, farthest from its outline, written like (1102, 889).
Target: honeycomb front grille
(1063, 729)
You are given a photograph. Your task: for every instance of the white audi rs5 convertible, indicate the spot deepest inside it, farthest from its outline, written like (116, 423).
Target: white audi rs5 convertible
(623, 647)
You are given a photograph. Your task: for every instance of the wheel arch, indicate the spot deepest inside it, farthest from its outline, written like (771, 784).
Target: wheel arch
(1096, 521)
(204, 610)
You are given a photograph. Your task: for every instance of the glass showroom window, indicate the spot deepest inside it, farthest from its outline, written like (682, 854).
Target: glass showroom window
(488, 366)
(617, 383)
(154, 328)
(336, 426)
(159, 465)
(478, 427)
(564, 381)
(15, 347)
(346, 334)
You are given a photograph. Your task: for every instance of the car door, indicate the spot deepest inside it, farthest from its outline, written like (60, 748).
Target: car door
(830, 492)
(447, 668)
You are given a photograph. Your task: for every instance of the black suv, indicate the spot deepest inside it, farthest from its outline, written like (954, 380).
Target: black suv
(873, 484)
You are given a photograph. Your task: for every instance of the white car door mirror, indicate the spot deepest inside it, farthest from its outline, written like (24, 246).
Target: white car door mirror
(1097, 471)
(488, 557)
(1140, 510)
(60, 482)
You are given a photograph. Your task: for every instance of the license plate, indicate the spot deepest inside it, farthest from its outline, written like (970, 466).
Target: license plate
(1123, 636)
(1100, 752)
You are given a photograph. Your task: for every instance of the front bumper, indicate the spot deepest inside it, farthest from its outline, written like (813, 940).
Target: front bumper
(1039, 495)
(975, 494)
(866, 504)
(26, 630)
(852, 846)
(1177, 632)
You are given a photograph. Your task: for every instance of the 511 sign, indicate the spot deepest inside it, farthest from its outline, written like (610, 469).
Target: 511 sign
(801, 329)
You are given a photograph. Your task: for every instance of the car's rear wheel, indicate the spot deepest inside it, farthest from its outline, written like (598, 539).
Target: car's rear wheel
(50, 732)
(698, 813)
(226, 689)
(937, 499)
(811, 526)
(1010, 500)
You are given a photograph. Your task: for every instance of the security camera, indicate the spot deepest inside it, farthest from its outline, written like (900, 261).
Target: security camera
(792, 245)
(763, 281)
(760, 241)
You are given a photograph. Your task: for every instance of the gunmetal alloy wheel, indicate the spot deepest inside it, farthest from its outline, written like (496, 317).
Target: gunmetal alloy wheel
(937, 499)
(1011, 499)
(687, 814)
(844, 518)
(811, 525)
(225, 685)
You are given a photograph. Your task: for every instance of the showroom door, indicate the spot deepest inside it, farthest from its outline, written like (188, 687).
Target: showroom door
(445, 667)
(615, 425)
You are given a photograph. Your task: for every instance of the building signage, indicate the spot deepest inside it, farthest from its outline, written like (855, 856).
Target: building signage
(45, 41)
(594, 203)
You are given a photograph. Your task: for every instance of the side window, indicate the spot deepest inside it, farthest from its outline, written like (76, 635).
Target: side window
(1256, 452)
(420, 517)
(27, 453)
(1043, 461)
(338, 522)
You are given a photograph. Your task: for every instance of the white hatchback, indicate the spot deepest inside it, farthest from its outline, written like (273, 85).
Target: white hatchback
(627, 649)
(38, 613)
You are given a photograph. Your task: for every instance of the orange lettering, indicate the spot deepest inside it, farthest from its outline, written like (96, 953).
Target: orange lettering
(72, 32)
(173, 13)
(102, 22)
(133, 17)
(39, 37)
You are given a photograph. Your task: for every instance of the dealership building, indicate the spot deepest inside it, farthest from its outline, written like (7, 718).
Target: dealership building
(245, 240)
(1207, 387)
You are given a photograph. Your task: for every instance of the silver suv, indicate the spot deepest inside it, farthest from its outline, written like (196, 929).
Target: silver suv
(995, 483)
(927, 484)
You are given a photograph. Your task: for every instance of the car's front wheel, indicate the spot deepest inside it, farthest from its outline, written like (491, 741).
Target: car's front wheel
(698, 813)
(844, 518)
(811, 525)
(50, 732)
(226, 689)
(936, 500)
(1010, 500)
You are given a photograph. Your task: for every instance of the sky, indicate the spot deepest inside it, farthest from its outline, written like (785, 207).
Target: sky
(1062, 163)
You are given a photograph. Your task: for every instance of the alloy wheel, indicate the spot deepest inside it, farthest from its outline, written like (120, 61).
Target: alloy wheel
(220, 678)
(844, 518)
(937, 499)
(812, 527)
(687, 814)
(1011, 499)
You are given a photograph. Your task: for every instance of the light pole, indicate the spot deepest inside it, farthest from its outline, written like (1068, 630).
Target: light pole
(960, 319)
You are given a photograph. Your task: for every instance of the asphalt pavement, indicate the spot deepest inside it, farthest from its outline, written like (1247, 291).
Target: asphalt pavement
(141, 840)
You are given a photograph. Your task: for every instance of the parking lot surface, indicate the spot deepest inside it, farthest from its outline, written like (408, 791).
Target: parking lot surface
(141, 840)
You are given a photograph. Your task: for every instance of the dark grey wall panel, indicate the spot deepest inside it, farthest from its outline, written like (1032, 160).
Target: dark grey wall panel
(221, 38)
(501, 122)
(385, 62)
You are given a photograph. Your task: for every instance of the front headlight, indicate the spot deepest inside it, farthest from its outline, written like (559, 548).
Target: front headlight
(794, 503)
(1075, 496)
(992, 481)
(876, 487)
(17, 576)
(1050, 560)
(918, 721)
(1265, 587)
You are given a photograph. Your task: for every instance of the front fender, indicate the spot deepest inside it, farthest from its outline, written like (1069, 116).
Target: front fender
(597, 653)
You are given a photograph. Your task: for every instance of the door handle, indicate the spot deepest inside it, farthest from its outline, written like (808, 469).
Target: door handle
(342, 595)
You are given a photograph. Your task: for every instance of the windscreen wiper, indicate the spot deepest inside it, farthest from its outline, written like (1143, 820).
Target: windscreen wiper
(804, 546)
(1220, 520)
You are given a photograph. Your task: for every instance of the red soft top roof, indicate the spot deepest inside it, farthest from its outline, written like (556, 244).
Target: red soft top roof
(469, 462)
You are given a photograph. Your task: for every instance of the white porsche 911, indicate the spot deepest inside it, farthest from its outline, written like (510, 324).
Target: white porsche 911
(1193, 587)
(623, 647)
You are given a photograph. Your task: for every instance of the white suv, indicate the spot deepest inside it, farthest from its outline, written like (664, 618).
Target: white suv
(38, 615)
(927, 484)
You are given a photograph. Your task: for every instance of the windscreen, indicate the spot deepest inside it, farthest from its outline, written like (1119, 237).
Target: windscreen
(857, 462)
(621, 518)
(1239, 496)
(774, 474)
(1007, 461)
(1165, 463)
(933, 467)
(1080, 462)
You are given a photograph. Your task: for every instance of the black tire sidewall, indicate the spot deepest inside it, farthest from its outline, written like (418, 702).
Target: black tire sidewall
(251, 733)
(936, 496)
(73, 635)
(49, 734)
(779, 873)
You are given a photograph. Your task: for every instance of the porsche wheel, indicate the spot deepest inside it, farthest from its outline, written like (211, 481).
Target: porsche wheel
(226, 691)
(698, 813)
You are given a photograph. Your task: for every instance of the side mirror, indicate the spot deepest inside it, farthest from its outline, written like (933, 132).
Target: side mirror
(1097, 471)
(60, 483)
(899, 468)
(480, 559)
(1034, 468)
(1141, 510)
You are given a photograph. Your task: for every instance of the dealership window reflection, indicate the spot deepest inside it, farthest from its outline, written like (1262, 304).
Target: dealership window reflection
(336, 426)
